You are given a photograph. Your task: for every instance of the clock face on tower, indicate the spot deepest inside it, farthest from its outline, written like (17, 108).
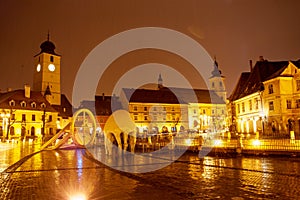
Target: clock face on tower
(51, 67)
(38, 67)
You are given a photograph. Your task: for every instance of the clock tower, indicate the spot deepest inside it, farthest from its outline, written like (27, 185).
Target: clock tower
(47, 73)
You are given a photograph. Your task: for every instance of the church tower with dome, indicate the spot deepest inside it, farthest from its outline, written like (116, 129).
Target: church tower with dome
(47, 73)
(217, 81)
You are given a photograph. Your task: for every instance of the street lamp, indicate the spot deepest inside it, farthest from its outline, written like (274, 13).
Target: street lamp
(5, 121)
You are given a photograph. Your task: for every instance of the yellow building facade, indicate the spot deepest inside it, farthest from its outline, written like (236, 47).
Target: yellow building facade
(267, 99)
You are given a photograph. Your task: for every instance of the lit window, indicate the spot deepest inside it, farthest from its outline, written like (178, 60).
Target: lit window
(271, 105)
(270, 87)
(33, 105)
(12, 103)
(23, 104)
(256, 103)
(289, 104)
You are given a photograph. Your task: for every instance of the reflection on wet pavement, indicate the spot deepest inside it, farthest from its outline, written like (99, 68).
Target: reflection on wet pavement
(62, 173)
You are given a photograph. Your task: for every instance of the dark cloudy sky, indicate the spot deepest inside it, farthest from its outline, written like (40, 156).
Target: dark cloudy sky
(233, 30)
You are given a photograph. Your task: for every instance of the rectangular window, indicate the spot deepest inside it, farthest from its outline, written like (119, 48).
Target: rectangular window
(238, 108)
(271, 105)
(204, 112)
(289, 104)
(250, 105)
(297, 103)
(50, 118)
(135, 117)
(298, 85)
(256, 103)
(23, 117)
(270, 87)
(135, 108)
(243, 107)
(145, 118)
(33, 118)
(145, 108)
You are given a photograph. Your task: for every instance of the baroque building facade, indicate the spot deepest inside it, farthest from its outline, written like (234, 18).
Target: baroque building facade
(266, 100)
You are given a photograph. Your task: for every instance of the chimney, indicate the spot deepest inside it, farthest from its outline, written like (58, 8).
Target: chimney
(251, 66)
(261, 58)
(27, 90)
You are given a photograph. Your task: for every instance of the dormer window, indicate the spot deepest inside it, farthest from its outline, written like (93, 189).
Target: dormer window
(12, 103)
(33, 105)
(43, 105)
(23, 104)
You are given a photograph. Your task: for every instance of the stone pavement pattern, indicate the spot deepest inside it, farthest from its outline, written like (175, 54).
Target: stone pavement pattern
(62, 173)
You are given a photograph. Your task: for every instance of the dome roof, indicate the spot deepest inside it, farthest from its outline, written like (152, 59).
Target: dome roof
(47, 47)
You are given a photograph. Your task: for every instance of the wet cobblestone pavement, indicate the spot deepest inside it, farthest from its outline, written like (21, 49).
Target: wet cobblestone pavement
(61, 174)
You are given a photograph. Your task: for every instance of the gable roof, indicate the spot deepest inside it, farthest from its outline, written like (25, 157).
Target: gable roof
(251, 82)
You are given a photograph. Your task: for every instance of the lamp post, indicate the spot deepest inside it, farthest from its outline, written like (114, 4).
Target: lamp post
(5, 121)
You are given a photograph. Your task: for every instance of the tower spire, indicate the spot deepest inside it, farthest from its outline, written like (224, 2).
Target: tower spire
(48, 36)
(160, 82)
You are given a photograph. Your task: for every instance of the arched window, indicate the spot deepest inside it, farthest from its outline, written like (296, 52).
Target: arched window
(12, 130)
(12, 103)
(32, 131)
(23, 104)
(33, 105)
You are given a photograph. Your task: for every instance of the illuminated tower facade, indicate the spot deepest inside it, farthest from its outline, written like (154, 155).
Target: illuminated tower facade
(47, 73)
(217, 82)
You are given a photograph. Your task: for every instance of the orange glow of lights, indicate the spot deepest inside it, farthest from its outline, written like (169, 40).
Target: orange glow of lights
(78, 197)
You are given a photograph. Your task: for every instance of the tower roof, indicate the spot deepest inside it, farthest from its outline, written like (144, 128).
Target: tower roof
(47, 91)
(216, 72)
(48, 47)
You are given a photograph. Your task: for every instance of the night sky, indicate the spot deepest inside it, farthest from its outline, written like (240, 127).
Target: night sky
(233, 31)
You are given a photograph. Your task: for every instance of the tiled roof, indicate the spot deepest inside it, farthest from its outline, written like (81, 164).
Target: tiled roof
(172, 96)
(65, 110)
(18, 96)
(102, 105)
(163, 95)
